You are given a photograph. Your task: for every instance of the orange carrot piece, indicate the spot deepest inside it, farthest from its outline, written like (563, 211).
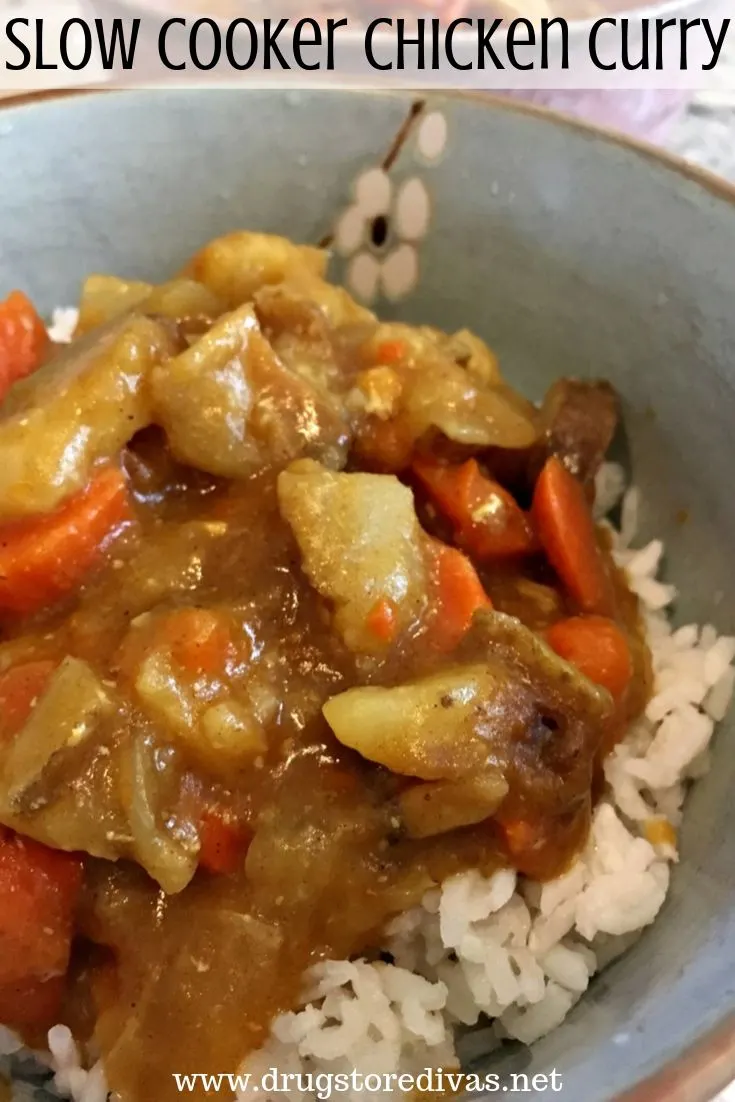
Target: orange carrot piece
(598, 648)
(520, 836)
(43, 558)
(32, 1003)
(459, 594)
(566, 529)
(488, 521)
(20, 687)
(382, 620)
(23, 340)
(200, 640)
(390, 352)
(39, 892)
(223, 840)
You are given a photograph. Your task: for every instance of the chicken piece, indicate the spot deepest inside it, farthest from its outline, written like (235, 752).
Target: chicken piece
(298, 319)
(236, 265)
(361, 544)
(335, 303)
(78, 410)
(579, 420)
(553, 758)
(230, 407)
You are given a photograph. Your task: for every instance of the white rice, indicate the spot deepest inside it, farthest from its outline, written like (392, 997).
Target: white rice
(63, 323)
(517, 953)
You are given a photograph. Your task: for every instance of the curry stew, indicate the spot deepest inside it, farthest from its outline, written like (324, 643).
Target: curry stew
(301, 613)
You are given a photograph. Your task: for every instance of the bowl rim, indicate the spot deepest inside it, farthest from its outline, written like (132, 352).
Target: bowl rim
(707, 1066)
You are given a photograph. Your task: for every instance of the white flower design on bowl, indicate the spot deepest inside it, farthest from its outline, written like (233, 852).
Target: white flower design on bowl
(379, 234)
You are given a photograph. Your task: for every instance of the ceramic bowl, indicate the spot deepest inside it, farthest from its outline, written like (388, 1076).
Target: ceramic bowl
(570, 252)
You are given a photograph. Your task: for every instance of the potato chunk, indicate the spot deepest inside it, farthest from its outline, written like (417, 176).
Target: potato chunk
(230, 407)
(361, 543)
(436, 728)
(78, 410)
(65, 716)
(236, 265)
(440, 806)
(106, 297)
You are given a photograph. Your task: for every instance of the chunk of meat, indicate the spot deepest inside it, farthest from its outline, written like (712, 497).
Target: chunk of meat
(236, 265)
(230, 407)
(579, 420)
(299, 318)
(361, 543)
(79, 409)
(333, 302)
(551, 758)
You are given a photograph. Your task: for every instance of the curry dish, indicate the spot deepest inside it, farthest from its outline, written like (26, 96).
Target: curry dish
(301, 613)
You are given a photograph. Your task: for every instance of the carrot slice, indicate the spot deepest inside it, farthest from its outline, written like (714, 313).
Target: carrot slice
(224, 842)
(39, 892)
(382, 621)
(458, 595)
(32, 1003)
(598, 648)
(390, 352)
(200, 640)
(488, 521)
(23, 340)
(20, 687)
(45, 557)
(566, 529)
(520, 836)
